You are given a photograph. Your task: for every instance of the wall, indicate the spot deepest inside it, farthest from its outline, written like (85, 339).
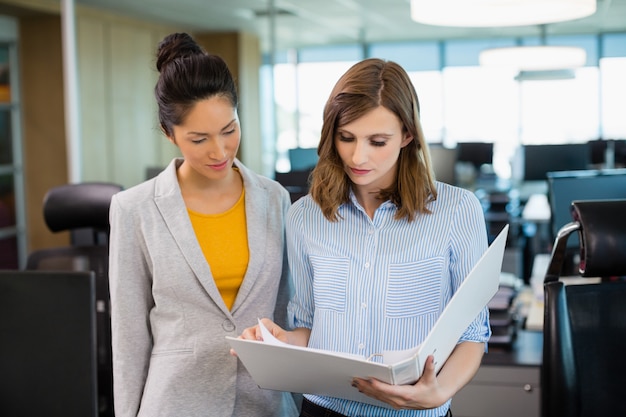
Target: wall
(119, 131)
(43, 124)
(120, 134)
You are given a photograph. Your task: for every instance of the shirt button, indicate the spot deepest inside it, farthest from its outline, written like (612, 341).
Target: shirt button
(363, 305)
(228, 326)
(361, 346)
(367, 264)
(370, 231)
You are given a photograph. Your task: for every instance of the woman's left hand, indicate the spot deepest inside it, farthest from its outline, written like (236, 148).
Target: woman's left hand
(425, 393)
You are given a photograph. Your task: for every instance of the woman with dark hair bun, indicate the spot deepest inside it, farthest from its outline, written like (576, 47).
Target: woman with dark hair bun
(196, 254)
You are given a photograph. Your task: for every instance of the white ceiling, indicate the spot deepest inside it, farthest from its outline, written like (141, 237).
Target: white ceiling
(316, 22)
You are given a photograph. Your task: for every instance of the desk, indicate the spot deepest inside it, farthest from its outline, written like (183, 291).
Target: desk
(507, 383)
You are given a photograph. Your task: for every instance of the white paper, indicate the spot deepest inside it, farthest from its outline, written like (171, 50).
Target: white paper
(268, 337)
(394, 356)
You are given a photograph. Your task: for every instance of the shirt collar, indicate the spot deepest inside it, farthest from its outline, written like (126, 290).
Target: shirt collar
(385, 206)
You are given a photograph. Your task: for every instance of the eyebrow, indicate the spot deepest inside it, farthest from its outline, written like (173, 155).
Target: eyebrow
(378, 134)
(194, 133)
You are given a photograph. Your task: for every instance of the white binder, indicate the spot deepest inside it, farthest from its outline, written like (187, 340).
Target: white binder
(279, 366)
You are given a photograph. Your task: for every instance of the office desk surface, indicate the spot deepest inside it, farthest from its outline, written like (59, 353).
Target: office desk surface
(526, 351)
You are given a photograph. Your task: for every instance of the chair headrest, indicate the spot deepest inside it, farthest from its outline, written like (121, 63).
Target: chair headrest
(82, 205)
(602, 237)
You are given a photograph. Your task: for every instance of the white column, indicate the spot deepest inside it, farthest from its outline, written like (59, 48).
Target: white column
(71, 93)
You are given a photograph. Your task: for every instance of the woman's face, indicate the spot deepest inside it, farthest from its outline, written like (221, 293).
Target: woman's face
(209, 137)
(369, 148)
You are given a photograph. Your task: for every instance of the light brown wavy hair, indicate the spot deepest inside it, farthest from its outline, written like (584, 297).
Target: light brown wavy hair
(365, 86)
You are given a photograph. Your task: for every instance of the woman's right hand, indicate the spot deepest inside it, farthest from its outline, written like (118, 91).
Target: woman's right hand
(298, 336)
(254, 332)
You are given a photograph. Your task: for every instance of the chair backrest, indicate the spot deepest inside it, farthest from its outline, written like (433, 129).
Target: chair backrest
(584, 365)
(602, 237)
(80, 206)
(47, 344)
(73, 207)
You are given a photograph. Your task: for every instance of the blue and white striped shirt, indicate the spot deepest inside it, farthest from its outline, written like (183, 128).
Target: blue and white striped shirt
(367, 285)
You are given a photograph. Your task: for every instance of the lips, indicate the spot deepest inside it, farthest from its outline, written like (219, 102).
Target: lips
(219, 166)
(359, 171)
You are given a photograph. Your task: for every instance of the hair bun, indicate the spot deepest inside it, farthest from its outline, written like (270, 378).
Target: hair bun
(174, 46)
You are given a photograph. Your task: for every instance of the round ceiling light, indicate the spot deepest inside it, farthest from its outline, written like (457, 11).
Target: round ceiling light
(498, 13)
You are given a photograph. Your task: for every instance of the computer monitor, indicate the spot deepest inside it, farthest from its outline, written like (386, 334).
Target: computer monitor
(567, 186)
(476, 153)
(302, 159)
(48, 344)
(620, 153)
(444, 162)
(541, 159)
(597, 151)
(598, 148)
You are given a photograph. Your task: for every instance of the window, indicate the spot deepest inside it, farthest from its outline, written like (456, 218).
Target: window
(482, 105)
(613, 95)
(429, 88)
(301, 89)
(561, 111)
(461, 101)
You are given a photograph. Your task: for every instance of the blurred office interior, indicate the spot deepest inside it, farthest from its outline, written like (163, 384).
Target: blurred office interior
(77, 106)
(77, 77)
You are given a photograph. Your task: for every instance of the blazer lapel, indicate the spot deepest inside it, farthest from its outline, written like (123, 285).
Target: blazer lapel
(169, 201)
(256, 216)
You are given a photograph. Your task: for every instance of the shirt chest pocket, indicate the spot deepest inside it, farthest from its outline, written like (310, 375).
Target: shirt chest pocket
(414, 288)
(329, 284)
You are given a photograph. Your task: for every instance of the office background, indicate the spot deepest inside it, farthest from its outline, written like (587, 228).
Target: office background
(285, 63)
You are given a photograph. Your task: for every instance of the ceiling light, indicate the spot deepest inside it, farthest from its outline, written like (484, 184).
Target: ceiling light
(534, 58)
(497, 13)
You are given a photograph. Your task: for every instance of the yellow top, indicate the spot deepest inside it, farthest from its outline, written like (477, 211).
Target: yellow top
(224, 241)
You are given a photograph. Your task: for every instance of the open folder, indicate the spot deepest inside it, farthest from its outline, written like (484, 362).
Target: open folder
(279, 366)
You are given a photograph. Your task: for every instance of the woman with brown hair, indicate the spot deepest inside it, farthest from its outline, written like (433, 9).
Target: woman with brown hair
(379, 247)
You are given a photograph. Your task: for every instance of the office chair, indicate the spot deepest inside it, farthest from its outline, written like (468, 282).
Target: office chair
(584, 347)
(83, 210)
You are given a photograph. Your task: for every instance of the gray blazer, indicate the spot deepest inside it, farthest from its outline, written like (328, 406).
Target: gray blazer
(169, 322)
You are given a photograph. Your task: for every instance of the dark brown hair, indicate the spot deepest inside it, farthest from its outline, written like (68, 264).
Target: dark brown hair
(365, 86)
(188, 74)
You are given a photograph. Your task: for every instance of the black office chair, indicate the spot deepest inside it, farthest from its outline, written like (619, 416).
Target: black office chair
(584, 352)
(83, 210)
